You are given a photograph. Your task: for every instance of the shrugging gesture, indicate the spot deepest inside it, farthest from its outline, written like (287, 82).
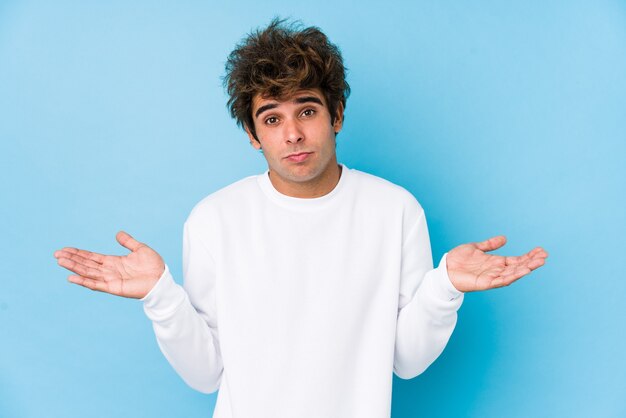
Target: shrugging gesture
(470, 269)
(131, 276)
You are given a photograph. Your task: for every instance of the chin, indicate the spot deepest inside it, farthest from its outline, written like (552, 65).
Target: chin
(301, 175)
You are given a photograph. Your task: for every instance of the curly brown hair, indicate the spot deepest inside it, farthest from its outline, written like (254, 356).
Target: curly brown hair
(279, 60)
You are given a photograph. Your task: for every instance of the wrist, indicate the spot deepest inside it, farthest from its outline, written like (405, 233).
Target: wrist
(447, 282)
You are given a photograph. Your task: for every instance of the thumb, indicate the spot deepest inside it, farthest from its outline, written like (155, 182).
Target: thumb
(491, 244)
(127, 241)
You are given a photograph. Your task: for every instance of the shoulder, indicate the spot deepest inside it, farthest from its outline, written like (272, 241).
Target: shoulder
(232, 196)
(385, 199)
(382, 190)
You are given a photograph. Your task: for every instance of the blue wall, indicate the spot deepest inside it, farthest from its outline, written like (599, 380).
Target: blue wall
(501, 117)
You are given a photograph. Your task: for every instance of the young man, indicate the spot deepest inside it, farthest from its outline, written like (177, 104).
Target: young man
(308, 286)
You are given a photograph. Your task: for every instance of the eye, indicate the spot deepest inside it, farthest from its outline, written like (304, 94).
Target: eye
(272, 120)
(308, 112)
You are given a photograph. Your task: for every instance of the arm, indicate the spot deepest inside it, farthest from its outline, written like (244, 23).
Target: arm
(428, 304)
(429, 299)
(184, 318)
(187, 336)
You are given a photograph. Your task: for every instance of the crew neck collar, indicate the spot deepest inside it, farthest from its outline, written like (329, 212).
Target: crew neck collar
(300, 203)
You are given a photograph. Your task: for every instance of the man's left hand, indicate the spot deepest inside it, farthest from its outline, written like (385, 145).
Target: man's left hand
(470, 269)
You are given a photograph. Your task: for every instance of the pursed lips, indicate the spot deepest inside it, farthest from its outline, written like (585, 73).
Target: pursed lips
(298, 156)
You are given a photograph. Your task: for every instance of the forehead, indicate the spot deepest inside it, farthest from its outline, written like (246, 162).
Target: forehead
(258, 100)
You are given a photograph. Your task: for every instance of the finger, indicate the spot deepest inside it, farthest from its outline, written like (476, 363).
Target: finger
(98, 258)
(491, 244)
(535, 253)
(536, 263)
(512, 261)
(127, 241)
(89, 283)
(517, 274)
(78, 259)
(513, 275)
(80, 269)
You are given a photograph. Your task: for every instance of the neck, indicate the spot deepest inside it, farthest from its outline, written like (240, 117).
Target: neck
(317, 187)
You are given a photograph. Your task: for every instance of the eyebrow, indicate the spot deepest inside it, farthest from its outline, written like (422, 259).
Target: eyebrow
(298, 100)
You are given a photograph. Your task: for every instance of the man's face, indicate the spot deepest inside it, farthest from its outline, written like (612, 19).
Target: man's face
(297, 139)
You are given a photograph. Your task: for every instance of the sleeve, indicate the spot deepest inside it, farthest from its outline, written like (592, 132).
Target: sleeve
(184, 318)
(428, 304)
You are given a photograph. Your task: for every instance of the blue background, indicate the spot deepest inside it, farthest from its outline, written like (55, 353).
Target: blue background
(500, 117)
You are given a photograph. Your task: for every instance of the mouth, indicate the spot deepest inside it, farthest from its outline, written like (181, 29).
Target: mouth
(298, 157)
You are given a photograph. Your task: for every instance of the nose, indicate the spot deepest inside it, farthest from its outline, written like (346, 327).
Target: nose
(293, 131)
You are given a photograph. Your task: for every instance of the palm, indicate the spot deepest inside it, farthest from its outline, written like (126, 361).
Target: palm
(471, 269)
(132, 275)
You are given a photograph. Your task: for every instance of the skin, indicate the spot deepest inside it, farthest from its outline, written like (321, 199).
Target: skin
(131, 276)
(299, 124)
(286, 127)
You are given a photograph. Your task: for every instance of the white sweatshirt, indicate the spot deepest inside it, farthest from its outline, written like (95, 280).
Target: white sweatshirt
(304, 308)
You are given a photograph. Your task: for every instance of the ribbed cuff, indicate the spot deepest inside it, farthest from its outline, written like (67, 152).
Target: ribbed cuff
(442, 285)
(164, 298)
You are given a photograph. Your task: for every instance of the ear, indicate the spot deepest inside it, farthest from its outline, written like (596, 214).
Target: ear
(338, 123)
(253, 141)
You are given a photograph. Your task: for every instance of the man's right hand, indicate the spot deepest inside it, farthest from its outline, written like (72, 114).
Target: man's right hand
(131, 276)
